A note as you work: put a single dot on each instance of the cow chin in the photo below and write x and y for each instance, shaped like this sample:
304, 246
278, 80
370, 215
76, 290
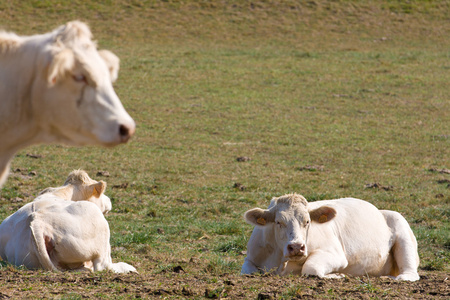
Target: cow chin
97, 138
295, 258
111, 142
79, 140
115, 134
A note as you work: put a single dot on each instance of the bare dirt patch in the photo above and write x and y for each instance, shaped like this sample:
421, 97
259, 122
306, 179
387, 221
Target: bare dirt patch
179, 283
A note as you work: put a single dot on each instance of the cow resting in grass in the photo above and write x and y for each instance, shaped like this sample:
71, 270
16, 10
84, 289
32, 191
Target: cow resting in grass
330, 238
62, 229
57, 88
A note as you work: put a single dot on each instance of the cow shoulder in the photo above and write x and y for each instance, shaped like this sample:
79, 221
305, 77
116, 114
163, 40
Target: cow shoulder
9, 42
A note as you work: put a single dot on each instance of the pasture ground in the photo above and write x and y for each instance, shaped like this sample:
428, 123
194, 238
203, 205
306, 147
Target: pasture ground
237, 102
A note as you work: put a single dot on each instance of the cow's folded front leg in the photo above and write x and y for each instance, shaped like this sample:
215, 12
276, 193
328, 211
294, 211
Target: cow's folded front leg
105, 263
324, 264
122, 267
290, 267
334, 276
281, 270
249, 267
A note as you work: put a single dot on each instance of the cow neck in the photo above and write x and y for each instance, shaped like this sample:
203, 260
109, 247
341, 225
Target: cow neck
18, 122
64, 192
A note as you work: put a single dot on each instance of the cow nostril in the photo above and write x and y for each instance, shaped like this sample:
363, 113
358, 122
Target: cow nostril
296, 249
123, 130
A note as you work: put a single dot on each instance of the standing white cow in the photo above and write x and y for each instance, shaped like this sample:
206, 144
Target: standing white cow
56, 87
62, 229
330, 238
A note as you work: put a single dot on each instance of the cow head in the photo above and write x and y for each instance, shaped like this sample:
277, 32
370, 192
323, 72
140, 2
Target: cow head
290, 220
76, 101
80, 187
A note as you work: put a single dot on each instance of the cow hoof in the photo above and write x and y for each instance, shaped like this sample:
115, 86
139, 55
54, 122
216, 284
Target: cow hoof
408, 277
122, 267
334, 276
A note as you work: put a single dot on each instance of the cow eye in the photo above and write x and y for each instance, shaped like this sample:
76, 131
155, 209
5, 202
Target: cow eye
307, 222
79, 78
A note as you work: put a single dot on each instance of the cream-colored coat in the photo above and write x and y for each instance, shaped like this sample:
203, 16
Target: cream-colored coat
57, 88
330, 238
62, 229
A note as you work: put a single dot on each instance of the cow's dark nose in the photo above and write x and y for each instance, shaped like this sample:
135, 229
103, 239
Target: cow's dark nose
125, 132
296, 249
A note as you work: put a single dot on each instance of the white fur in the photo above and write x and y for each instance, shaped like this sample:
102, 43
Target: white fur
63, 229
56, 87
357, 240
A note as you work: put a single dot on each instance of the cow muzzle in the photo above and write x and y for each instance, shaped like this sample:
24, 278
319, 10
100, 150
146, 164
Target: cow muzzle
296, 251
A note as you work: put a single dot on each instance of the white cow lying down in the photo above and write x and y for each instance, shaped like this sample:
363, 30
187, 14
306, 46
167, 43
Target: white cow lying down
330, 238
59, 231
57, 88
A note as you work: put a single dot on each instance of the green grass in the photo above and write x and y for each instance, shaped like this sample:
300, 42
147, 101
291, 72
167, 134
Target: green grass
360, 88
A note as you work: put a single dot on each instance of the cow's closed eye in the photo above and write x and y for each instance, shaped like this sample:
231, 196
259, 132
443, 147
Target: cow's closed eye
79, 78
280, 224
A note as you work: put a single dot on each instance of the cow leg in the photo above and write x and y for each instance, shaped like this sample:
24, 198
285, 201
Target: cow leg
324, 264
122, 267
404, 247
87, 267
248, 267
104, 262
290, 267
407, 258
79, 267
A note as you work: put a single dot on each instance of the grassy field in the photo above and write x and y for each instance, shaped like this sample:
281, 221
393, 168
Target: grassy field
324, 98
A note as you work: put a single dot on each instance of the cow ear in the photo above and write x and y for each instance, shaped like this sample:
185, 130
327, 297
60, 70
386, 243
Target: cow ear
112, 62
259, 217
322, 214
62, 63
98, 188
